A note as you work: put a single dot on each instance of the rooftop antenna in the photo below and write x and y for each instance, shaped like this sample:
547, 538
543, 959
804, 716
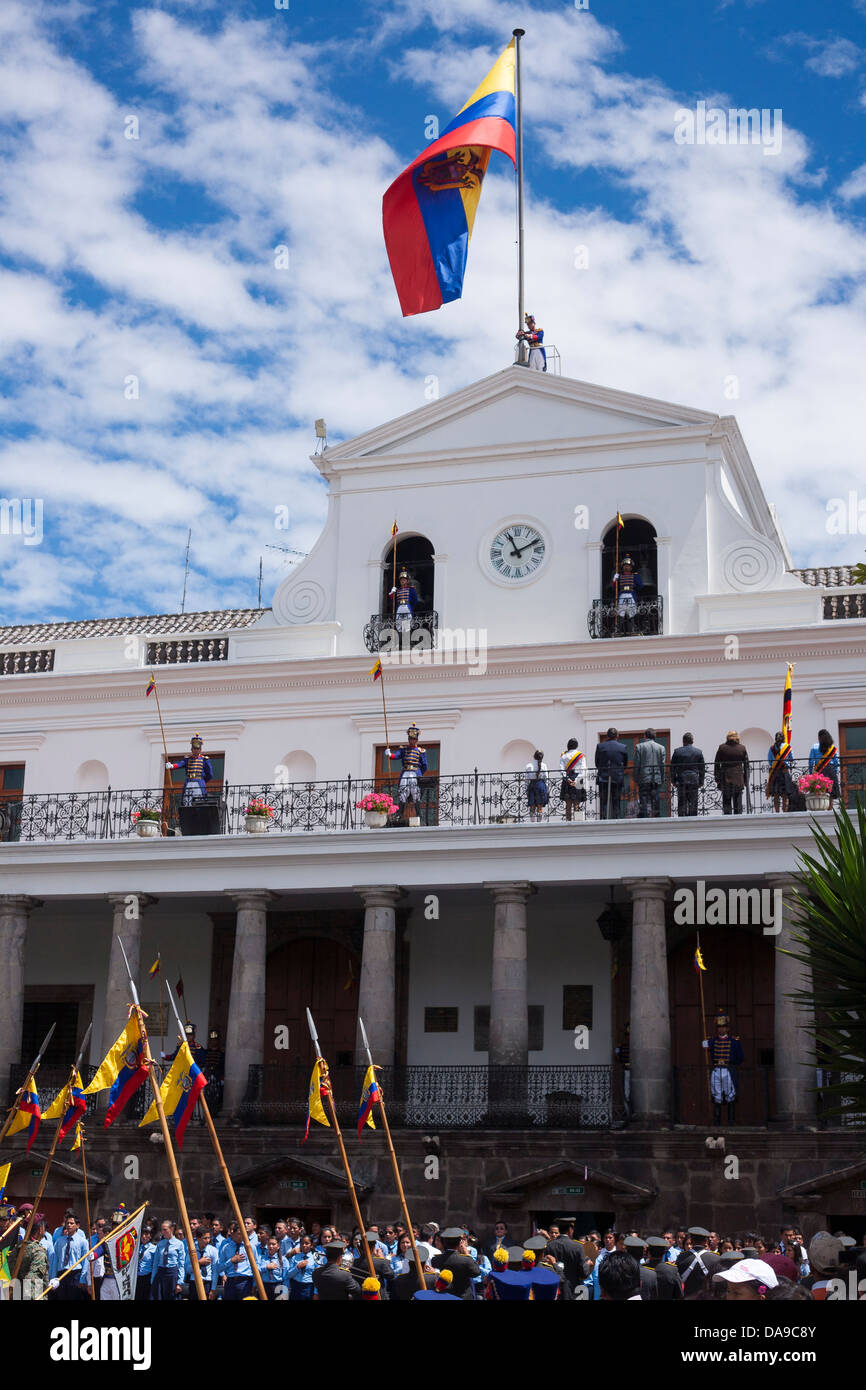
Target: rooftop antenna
186, 572
289, 550
321, 436
260, 581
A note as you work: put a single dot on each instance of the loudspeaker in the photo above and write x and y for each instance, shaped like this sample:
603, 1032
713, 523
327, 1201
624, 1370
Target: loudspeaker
199, 820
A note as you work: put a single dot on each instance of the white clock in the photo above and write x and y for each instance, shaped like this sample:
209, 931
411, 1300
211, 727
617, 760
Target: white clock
516, 552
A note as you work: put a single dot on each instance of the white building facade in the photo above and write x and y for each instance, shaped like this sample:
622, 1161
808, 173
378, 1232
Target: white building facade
496, 961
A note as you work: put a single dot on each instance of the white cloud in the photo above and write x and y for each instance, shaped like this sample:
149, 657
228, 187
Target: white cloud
855, 184
720, 267
830, 57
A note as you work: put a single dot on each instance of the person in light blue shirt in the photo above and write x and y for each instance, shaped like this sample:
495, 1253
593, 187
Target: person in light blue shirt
217, 1234
483, 1264
169, 1266
824, 758
145, 1266
273, 1266
208, 1260
69, 1247
299, 1270
250, 1224
234, 1267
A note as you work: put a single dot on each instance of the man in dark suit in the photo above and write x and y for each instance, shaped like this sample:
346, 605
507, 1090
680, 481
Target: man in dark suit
668, 1280
499, 1240
732, 773
611, 761
568, 1253
455, 1256
384, 1269
332, 1283
688, 770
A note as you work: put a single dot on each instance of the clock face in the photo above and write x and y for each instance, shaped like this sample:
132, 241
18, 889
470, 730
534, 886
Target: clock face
517, 552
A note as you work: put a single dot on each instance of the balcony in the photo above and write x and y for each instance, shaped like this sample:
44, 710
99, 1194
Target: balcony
384, 633
457, 800
603, 619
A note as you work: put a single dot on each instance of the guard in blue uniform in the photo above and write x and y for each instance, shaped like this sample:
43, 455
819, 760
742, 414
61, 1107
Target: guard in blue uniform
197, 770
533, 337
414, 761
726, 1054
407, 601
627, 584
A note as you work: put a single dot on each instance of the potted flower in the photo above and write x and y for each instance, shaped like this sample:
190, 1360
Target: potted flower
146, 822
257, 814
816, 788
377, 807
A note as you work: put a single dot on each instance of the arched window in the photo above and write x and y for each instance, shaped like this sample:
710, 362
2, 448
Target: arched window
91, 776
634, 541
415, 556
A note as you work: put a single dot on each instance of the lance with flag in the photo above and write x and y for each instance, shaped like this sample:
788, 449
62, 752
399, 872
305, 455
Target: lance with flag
217, 1148
124, 1068
66, 1108
371, 1096
152, 690
784, 753
137, 1012
700, 971
29, 1082
321, 1082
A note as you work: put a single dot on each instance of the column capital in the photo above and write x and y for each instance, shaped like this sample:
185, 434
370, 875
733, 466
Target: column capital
517, 892
380, 894
647, 887
254, 899
18, 902
121, 899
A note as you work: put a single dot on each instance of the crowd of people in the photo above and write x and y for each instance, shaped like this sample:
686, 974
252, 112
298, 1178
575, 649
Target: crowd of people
652, 775
322, 1263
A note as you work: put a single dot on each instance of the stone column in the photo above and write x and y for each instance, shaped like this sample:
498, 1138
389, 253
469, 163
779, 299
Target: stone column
509, 1017
14, 918
650, 1025
245, 1031
128, 913
793, 1044
377, 988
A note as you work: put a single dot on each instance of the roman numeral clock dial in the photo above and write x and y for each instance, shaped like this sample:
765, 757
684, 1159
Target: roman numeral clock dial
516, 553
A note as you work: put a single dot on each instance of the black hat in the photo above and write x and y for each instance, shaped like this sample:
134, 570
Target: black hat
453, 1233
655, 1243
536, 1243
634, 1243
565, 1221
515, 1254
335, 1247
749, 1252
700, 1231
731, 1257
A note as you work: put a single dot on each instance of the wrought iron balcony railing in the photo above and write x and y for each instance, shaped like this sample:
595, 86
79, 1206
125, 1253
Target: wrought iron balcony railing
605, 620
52, 1079
453, 1097
385, 632
459, 799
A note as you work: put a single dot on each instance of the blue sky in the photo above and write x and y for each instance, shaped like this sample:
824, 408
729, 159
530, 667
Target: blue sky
159, 372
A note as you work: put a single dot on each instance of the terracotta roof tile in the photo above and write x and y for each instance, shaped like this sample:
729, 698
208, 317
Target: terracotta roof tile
152, 625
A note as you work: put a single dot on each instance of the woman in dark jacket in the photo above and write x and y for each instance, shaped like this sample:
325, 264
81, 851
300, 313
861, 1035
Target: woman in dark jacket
731, 770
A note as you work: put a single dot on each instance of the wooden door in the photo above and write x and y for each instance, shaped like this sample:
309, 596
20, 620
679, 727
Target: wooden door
852, 763
739, 981
322, 975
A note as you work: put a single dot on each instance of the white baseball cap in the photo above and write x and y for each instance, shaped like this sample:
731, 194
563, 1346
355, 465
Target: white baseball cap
744, 1270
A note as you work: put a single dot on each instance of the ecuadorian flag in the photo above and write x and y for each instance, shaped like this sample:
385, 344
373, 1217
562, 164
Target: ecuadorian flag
179, 1091
29, 1115
429, 211
369, 1096
70, 1103
122, 1071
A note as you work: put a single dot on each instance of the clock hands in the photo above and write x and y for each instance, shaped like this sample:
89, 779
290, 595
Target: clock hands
514, 547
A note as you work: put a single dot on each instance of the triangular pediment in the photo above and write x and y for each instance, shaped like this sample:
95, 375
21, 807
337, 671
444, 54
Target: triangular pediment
512, 407
517, 1190
291, 1167
851, 1176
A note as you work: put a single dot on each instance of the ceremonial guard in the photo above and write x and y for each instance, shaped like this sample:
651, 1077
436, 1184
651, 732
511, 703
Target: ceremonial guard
198, 772
407, 601
534, 339
726, 1054
414, 761
627, 585
572, 789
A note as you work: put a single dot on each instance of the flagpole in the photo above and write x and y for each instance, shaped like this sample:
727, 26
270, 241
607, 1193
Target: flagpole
115, 1232
81, 1141
409, 1228
34, 1067
616, 572
164, 748
182, 995
706, 1050
518, 35
67, 1093
169, 1152
223, 1168
336, 1124
394, 568
384, 710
